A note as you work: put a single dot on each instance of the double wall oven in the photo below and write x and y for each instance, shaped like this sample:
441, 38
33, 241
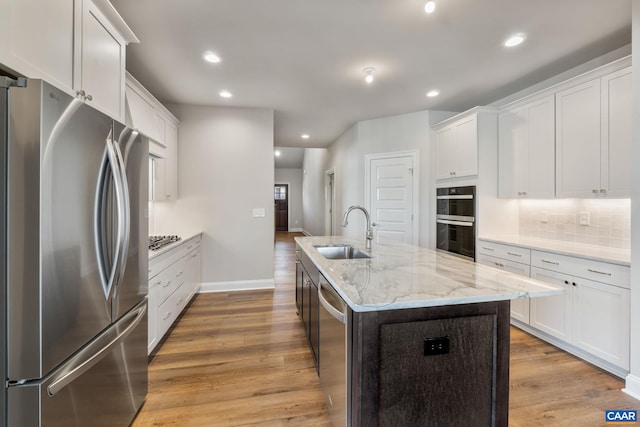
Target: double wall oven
456, 220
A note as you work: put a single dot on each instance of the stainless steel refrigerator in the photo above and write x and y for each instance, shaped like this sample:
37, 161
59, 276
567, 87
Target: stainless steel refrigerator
75, 261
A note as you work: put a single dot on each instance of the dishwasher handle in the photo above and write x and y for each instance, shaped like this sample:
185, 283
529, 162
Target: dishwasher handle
339, 315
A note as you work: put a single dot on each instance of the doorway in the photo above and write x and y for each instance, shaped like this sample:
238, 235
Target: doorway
329, 203
281, 206
391, 193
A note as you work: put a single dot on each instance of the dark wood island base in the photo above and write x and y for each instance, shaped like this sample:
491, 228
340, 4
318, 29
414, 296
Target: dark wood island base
434, 366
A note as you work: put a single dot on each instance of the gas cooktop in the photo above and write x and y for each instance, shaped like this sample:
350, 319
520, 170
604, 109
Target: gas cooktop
157, 242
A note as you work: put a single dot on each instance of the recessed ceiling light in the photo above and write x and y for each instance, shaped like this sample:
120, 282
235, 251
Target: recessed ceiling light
433, 93
369, 74
514, 40
430, 6
211, 57
304, 136
277, 153
225, 94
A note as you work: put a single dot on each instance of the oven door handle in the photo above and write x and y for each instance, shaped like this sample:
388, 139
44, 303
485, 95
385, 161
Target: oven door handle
461, 223
458, 197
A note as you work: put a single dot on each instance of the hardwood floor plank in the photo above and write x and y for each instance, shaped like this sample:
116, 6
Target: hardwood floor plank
241, 359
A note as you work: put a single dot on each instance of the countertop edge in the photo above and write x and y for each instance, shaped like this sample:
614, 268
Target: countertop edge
582, 252
167, 248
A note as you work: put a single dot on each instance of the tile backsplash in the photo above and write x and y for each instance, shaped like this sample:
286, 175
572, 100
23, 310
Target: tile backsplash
600, 222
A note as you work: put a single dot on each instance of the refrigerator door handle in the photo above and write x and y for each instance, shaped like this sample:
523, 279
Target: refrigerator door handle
94, 353
124, 217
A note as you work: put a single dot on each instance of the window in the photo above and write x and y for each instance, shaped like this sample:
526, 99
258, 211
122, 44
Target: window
280, 192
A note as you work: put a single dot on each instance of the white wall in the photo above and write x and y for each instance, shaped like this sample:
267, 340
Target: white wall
313, 168
226, 169
405, 132
633, 379
293, 177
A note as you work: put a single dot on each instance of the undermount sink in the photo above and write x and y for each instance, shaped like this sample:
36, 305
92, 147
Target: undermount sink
341, 252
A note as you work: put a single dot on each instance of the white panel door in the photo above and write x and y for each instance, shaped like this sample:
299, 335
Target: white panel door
391, 198
445, 152
541, 146
553, 315
513, 166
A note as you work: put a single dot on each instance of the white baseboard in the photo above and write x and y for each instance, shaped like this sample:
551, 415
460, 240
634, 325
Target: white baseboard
238, 285
306, 233
296, 230
632, 386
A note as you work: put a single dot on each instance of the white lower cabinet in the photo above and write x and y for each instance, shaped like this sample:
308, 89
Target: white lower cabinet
591, 319
601, 319
513, 259
553, 315
174, 278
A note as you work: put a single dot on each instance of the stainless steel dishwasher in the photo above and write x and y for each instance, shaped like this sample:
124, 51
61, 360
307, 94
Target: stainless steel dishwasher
333, 352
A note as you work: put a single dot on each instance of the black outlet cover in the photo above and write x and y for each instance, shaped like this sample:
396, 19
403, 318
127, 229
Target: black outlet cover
435, 346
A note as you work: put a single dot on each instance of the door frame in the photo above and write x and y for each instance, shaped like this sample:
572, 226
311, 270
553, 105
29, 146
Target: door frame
288, 184
329, 202
415, 182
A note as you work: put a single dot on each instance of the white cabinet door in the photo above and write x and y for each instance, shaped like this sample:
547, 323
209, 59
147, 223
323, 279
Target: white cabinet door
37, 39
553, 315
457, 149
519, 307
540, 128
101, 62
617, 109
513, 150
140, 113
171, 162
601, 321
445, 152
578, 141
466, 154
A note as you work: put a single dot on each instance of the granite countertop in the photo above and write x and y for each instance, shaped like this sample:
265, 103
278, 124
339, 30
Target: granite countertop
405, 276
184, 238
596, 253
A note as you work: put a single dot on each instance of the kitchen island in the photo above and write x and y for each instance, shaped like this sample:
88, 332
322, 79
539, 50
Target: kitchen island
426, 333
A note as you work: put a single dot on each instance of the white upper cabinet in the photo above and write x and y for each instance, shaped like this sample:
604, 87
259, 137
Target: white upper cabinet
77, 45
457, 148
617, 109
37, 39
100, 48
593, 138
526, 149
578, 140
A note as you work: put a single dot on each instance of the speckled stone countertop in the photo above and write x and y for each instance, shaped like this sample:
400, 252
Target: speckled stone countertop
405, 276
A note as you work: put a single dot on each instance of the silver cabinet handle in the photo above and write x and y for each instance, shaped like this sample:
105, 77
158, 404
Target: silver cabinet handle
488, 249
549, 262
514, 254
594, 191
603, 191
167, 284
167, 315
598, 272
499, 264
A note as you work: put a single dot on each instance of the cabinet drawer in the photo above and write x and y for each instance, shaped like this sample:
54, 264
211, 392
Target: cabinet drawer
192, 244
171, 279
169, 311
612, 274
504, 264
162, 262
508, 252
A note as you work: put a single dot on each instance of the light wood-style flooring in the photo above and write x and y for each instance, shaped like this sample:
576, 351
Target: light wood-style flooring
241, 359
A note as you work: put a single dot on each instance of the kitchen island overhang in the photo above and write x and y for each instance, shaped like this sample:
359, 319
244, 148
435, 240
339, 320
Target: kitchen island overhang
427, 333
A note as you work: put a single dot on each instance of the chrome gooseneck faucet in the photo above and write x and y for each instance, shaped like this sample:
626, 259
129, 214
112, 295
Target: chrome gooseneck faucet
369, 234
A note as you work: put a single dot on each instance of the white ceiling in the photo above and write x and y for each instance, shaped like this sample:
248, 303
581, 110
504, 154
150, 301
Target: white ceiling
289, 158
304, 58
